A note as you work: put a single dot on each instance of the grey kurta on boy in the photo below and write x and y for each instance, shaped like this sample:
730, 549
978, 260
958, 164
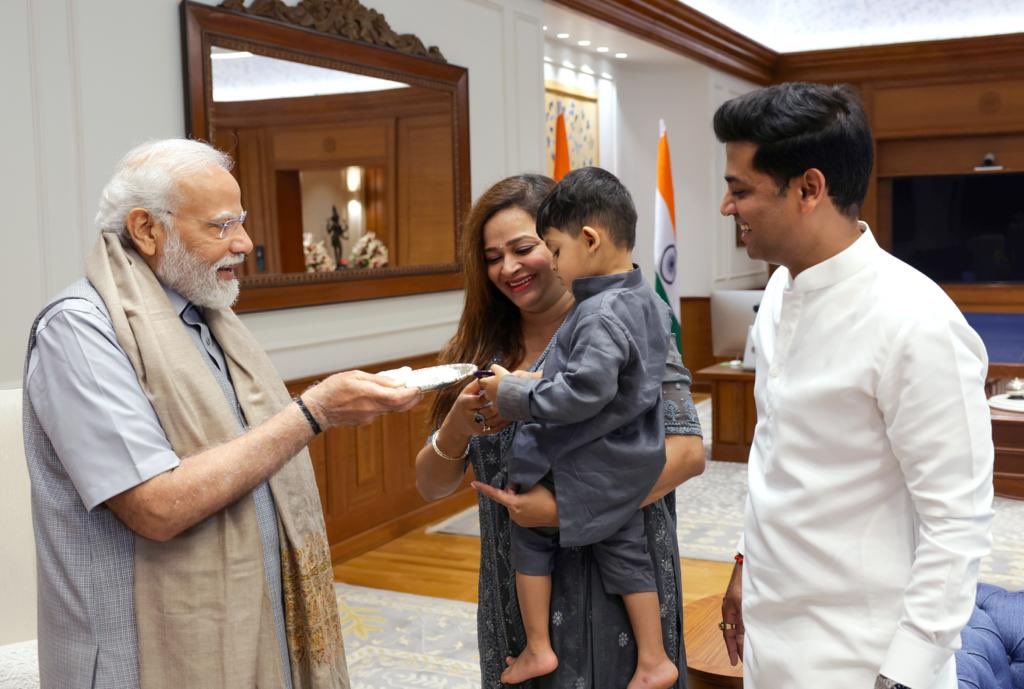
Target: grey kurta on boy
602, 434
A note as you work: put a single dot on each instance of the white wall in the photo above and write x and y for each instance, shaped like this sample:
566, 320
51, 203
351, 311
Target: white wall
685, 96
86, 80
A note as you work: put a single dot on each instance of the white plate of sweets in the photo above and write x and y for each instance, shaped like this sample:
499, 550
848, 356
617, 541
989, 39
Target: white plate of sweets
432, 377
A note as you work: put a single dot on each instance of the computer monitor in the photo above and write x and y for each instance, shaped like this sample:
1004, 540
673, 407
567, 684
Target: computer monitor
732, 314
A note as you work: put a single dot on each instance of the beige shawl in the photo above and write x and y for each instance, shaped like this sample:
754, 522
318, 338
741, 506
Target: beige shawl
201, 601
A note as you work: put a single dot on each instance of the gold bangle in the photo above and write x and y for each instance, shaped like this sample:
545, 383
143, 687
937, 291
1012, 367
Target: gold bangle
442, 455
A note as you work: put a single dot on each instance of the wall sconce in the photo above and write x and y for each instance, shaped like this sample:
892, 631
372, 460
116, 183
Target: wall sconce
353, 177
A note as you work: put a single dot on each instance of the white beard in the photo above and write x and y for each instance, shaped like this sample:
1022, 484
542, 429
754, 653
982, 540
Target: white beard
195, 279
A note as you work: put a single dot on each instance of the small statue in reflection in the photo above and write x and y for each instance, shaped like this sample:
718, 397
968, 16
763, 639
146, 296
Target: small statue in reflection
337, 228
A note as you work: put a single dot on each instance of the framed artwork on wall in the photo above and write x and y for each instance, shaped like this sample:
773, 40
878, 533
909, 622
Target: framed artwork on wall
580, 111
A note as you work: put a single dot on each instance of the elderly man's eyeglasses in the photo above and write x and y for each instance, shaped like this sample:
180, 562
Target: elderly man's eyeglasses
225, 228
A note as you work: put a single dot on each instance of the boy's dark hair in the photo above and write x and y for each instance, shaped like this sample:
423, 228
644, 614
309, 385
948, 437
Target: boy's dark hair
590, 196
798, 126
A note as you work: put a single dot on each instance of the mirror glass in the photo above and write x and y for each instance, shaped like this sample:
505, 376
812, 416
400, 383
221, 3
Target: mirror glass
328, 146
351, 158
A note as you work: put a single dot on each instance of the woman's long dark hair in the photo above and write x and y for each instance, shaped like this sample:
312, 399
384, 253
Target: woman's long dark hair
490, 325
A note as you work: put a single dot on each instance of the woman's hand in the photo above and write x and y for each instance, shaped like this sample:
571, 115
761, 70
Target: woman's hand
437, 477
536, 507
472, 414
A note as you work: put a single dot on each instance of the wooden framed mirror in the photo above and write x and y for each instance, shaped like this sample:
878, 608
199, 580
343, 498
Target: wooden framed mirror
350, 142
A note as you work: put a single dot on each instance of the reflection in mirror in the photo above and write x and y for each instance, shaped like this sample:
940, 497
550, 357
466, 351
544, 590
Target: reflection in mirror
336, 216
350, 142
311, 142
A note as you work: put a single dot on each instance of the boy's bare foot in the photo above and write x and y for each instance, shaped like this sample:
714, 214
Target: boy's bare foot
529, 664
661, 675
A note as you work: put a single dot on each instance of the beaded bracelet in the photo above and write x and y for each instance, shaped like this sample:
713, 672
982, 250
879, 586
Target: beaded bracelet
442, 455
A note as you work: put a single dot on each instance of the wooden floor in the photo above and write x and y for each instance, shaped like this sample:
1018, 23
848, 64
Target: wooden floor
447, 566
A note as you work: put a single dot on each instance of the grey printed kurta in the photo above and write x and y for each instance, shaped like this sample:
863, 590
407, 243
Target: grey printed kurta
590, 631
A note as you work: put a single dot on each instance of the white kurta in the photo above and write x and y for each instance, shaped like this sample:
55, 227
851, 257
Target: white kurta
870, 478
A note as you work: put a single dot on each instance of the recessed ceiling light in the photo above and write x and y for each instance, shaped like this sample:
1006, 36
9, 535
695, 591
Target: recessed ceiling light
606, 75
583, 43
543, 28
562, 35
602, 49
586, 69
566, 63
547, 59
622, 56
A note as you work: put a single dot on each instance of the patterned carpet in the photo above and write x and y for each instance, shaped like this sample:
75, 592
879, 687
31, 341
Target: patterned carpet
710, 518
397, 640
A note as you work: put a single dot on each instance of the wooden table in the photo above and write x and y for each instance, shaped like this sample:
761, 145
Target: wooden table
733, 414
707, 661
1008, 437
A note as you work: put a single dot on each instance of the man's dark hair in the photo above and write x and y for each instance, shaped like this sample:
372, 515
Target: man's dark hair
799, 126
590, 196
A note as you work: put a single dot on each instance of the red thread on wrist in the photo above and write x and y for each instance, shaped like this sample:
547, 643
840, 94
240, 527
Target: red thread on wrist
739, 558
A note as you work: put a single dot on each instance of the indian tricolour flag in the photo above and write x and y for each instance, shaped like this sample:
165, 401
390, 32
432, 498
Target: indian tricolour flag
665, 282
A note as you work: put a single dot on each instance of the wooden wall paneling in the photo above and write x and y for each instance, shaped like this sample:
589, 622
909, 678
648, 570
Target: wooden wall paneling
990, 298
333, 109
366, 475
375, 194
962, 59
969, 108
729, 427
392, 209
254, 178
695, 316
288, 192
949, 155
426, 206
316, 290
684, 30
296, 147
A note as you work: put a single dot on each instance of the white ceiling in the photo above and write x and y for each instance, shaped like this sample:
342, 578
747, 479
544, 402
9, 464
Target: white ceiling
788, 26
559, 19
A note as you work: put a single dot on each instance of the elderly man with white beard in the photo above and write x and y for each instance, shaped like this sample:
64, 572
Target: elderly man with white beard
179, 533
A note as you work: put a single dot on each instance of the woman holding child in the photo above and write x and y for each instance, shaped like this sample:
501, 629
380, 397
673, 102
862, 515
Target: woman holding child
514, 306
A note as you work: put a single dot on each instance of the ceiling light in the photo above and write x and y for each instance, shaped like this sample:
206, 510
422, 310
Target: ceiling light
622, 56
544, 28
566, 63
583, 43
602, 49
606, 75
562, 35
586, 69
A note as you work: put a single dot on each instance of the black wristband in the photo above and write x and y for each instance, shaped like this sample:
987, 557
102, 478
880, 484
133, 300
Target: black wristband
309, 416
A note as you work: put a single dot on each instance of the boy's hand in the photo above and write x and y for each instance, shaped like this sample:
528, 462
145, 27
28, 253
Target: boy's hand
489, 385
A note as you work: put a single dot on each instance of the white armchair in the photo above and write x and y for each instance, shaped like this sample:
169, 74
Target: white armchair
18, 665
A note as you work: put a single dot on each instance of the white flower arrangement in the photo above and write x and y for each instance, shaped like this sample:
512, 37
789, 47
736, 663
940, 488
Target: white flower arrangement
317, 258
369, 252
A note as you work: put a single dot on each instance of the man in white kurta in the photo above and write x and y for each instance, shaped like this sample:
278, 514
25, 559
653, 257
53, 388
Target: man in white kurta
870, 477
870, 473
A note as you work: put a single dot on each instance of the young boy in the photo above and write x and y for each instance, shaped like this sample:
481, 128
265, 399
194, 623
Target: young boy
599, 438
